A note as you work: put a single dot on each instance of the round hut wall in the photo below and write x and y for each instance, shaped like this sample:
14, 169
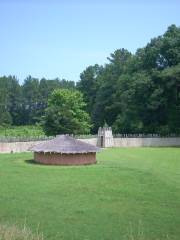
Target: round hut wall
65, 159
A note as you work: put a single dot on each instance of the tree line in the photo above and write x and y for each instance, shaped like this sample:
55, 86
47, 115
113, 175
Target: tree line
137, 93
133, 93
25, 104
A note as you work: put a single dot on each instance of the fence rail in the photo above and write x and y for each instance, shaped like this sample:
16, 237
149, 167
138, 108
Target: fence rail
7, 139
85, 136
24, 139
145, 135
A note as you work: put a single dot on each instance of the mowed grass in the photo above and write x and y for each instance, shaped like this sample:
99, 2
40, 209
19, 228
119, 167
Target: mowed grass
131, 193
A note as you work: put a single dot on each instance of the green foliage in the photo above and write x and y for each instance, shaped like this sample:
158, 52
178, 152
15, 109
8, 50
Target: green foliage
137, 92
5, 118
89, 84
9, 100
65, 113
128, 192
25, 104
21, 131
133, 92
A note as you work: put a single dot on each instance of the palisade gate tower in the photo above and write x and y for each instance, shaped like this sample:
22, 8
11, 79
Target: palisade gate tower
105, 137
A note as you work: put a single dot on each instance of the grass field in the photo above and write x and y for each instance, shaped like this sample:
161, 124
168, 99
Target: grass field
132, 193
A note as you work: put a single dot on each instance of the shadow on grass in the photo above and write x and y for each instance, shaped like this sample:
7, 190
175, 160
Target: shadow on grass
32, 161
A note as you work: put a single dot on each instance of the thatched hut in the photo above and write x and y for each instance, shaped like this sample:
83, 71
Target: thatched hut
65, 150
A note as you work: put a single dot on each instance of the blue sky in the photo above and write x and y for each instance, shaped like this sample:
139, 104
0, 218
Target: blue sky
61, 38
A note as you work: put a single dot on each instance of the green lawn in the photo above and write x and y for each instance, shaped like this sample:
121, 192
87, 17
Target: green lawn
132, 193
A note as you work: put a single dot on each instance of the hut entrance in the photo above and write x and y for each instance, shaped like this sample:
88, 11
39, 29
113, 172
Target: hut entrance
101, 141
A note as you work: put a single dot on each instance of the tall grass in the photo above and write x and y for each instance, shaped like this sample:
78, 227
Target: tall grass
137, 232
14, 233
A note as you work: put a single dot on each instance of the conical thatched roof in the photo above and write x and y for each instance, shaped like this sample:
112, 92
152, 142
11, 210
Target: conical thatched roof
64, 144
